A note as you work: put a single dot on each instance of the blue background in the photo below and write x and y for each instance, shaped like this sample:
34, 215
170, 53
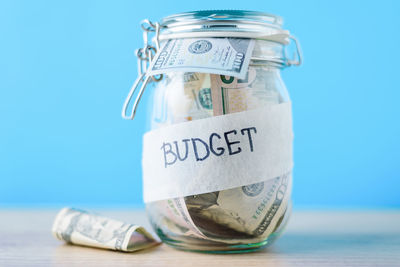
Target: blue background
66, 67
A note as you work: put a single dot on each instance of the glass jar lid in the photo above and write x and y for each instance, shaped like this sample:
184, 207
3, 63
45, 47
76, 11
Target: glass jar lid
224, 23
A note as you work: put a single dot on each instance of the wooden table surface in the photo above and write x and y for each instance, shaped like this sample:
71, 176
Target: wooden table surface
311, 239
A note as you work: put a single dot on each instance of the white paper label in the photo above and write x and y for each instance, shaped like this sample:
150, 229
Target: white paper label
217, 153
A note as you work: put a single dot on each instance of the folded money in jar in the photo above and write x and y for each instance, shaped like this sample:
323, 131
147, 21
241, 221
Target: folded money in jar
217, 156
86, 229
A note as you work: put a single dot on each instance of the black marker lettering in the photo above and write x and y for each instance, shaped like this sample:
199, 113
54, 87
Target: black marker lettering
220, 149
249, 135
186, 149
194, 140
168, 151
229, 144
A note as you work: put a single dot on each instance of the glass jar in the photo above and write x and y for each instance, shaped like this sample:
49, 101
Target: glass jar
237, 218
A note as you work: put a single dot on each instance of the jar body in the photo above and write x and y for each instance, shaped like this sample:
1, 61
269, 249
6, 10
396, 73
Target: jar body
235, 219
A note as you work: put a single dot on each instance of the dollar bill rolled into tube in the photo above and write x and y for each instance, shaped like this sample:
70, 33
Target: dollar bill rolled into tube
86, 229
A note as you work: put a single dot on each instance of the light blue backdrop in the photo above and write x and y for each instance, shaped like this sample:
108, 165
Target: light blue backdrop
66, 67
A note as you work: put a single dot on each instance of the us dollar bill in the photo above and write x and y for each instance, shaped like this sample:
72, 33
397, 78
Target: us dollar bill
198, 88
174, 214
231, 94
195, 100
83, 228
252, 210
273, 218
227, 56
238, 215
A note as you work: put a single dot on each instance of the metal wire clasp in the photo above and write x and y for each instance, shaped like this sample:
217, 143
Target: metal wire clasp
297, 59
145, 56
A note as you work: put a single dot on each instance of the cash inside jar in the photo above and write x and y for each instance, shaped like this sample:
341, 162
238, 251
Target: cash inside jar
251, 213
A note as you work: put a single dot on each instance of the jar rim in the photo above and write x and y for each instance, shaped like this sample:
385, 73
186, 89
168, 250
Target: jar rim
224, 15
224, 23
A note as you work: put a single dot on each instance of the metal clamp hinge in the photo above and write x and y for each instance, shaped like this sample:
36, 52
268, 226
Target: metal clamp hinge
297, 56
145, 56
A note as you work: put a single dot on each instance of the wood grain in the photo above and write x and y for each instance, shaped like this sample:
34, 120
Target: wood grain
311, 239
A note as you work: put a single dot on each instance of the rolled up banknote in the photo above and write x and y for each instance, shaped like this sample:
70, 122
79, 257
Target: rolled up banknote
195, 100
83, 228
